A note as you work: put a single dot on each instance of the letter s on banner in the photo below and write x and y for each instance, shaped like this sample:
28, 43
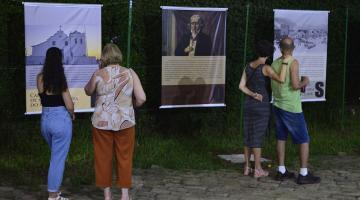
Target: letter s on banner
319, 89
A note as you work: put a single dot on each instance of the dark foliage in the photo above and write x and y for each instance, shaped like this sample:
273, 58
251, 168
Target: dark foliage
146, 57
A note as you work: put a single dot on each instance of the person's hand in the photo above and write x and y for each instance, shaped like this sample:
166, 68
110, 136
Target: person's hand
258, 97
305, 80
188, 49
73, 116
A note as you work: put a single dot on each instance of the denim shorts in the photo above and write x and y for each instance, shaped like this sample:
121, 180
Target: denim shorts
293, 123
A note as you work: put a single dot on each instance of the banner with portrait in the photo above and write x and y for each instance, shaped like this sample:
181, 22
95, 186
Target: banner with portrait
193, 57
309, 30
73, 28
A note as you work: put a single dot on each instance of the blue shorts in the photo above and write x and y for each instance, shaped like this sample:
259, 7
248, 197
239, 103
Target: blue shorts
293, 123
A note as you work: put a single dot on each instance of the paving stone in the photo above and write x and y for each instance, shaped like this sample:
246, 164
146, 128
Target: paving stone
340, 180
160, 191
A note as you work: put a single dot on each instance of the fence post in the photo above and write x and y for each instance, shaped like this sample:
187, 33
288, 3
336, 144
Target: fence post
345, 63
244, 63
129, 34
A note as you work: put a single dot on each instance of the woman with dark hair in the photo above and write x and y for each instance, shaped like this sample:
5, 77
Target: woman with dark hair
257, 104
118, 89
57, 112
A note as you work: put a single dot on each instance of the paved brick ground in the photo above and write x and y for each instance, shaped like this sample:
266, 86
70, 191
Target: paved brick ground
340, 180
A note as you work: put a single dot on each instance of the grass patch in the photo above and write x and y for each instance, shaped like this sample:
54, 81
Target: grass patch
24, 155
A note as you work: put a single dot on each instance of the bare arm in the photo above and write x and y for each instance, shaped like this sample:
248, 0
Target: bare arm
294, 72
268, 71
244, 89
69, 104
91, 85
139, 94
39, 83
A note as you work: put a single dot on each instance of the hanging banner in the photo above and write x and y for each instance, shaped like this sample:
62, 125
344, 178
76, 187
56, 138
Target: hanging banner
309, 30
73, 28
193, 57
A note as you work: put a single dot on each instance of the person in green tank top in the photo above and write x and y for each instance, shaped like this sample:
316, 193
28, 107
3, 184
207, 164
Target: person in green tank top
289, 116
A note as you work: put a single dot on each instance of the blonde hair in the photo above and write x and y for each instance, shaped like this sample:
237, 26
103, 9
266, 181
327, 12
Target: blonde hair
111, 55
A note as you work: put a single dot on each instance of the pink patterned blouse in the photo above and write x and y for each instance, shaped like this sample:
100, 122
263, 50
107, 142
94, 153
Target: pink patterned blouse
114, 108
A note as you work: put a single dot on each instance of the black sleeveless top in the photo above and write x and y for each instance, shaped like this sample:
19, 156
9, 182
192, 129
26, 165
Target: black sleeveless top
257, 82
52, 100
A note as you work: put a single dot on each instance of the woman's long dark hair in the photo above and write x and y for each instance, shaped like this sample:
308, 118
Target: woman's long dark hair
53, 72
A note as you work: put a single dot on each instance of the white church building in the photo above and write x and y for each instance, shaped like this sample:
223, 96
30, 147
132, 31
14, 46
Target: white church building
73, 48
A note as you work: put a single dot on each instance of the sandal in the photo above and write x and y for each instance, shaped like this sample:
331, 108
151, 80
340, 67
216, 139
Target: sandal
58, 197
260, 173
247, 170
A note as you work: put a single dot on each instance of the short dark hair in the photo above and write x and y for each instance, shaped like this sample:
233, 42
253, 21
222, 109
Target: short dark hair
264, 48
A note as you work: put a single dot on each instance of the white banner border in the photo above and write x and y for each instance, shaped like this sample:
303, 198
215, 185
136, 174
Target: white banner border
289, 10
192, 8
61, 4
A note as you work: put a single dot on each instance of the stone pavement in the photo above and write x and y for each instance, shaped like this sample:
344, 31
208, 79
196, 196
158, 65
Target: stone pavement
340, 180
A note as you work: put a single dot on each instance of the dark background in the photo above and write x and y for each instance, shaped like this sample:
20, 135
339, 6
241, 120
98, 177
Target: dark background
146, 58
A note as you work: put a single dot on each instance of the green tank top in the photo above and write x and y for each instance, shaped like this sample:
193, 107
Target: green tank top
285, 97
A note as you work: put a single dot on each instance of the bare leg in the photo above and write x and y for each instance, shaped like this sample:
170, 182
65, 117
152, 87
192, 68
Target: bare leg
259, 172
125, 194
304, 154
107, 193
247, 154
280, 147
257, 157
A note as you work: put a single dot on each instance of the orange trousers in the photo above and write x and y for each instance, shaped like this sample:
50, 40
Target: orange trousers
106, 144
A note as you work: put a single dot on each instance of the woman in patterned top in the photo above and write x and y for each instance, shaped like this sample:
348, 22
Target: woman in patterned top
117, 90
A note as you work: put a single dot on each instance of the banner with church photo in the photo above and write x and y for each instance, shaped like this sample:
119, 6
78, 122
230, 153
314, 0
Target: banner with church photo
193, 57
309, 30
73, 28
